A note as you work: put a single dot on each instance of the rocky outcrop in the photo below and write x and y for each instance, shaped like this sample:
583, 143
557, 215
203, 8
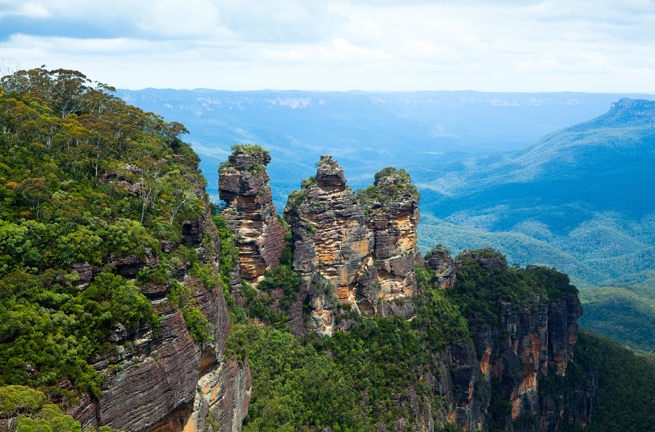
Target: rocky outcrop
464, 388
442, 267
332, 244
354, 252
392, 206
250, 213
159, 372
532, 343
222, 399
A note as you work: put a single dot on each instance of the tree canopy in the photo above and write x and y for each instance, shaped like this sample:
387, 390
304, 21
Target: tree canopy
87, 183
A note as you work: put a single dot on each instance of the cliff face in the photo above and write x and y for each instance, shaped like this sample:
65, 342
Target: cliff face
392, 206
332, 245
528, 344
244, 186
463, 388
165, 380
442, 267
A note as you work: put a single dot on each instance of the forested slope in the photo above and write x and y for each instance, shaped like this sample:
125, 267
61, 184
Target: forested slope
95, 202
113, 269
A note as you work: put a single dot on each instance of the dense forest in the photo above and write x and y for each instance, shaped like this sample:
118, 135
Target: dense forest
87, 184
93, 193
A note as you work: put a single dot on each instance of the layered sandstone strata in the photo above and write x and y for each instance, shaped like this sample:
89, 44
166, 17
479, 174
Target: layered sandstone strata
392, 206
244, 186
332, 244
355, 252
164, 380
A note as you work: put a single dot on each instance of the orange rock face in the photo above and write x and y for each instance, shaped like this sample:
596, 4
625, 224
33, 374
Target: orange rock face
360, 249
250, 213
332, 244
392, 203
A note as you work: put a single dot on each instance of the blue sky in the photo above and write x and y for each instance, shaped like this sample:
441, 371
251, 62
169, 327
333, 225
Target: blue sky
494, 45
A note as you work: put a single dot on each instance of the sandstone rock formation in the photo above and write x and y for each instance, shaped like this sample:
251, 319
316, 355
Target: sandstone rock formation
442, 267
527, 343
332, 245
244, 186
392, 206
356, 253
222, 399
464, 388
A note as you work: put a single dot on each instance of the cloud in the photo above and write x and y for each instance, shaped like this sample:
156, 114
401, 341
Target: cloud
29, 9
32, 10
600, 45
281, 21
168, 19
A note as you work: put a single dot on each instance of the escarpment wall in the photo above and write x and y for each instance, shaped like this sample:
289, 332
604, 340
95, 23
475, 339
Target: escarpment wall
529, 346
163, 380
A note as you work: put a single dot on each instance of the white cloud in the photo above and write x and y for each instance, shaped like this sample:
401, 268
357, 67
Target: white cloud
172, 19
82, 47
280, 21
32, 10
600, 45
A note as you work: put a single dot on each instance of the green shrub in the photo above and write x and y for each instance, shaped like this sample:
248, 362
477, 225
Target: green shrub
196, 323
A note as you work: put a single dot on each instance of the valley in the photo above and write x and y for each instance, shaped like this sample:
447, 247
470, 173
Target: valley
559, 179
132, 300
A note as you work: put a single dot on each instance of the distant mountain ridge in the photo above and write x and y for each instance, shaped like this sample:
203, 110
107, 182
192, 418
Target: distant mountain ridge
428, 133
622, 130
581, 200
585, 189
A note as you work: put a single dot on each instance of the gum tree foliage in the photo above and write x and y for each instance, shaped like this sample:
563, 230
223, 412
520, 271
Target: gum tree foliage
479, 291
85, 180
358, 380
30, 410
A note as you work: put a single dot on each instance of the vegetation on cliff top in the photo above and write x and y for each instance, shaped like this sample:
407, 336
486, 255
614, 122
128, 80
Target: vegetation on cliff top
484, 280
258, 156
34, 413
92, 195
391, 185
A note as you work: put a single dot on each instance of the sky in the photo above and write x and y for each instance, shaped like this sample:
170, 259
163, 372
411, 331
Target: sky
391, 45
